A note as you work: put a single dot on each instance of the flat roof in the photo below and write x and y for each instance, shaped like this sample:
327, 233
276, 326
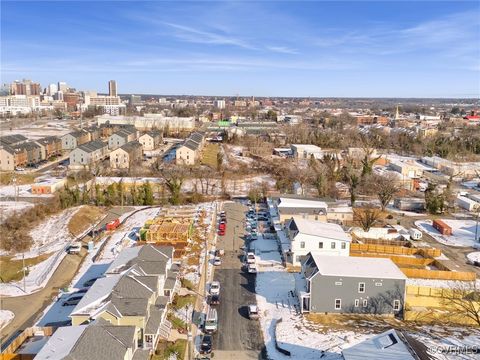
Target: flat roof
351, 266
318, 228
301, 203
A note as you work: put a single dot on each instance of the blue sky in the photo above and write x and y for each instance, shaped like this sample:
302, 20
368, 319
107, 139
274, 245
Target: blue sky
261, 48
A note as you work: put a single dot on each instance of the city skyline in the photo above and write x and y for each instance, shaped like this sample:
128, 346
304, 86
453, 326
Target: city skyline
306, 49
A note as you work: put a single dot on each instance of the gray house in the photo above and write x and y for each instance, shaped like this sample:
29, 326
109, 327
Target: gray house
345, 284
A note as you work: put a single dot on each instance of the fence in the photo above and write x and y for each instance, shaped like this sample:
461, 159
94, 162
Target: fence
9, 352
394, 250
439, 274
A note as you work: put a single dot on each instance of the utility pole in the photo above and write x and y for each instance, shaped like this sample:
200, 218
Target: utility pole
24, 273
476, 225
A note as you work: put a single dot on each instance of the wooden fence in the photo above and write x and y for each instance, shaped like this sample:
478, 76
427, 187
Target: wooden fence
439, 274
394, 250
9, 352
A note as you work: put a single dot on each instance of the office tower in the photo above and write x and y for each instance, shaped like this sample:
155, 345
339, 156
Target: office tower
112, 88
62, 86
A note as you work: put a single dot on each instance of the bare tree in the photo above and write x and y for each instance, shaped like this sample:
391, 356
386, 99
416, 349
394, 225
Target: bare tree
463, 301
173, 176
351, 176
386, 187
367, 216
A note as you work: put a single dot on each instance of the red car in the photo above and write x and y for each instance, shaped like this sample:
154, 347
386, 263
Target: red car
222, 226
221, 232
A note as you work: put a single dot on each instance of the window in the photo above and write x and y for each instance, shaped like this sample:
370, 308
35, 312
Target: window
378, 284
316, 217
396, 305
344, 245
302, 244
338, 283
333, 245
338, 304
320, 245
357, 303
361, 287
365, 303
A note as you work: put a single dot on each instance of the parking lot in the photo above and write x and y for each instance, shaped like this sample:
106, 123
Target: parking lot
237, 335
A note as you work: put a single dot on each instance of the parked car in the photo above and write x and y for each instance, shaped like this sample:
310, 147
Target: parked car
206, 345
215, 288
221, 232
217, 261
72, 300
74, 249
252, 269
82, 290
253, 312
251, 258
90, 282
214, 300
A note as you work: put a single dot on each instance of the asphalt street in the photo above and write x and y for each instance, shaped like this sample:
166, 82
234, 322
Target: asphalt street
236, 333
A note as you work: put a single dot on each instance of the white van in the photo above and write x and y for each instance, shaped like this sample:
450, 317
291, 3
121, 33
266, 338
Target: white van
211, 321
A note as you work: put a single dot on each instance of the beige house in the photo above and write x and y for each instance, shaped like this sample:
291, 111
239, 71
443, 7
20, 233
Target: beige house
121, 137
190, 151
407, 168
126, 155
74, 139
88, 153
151, 140
136, 290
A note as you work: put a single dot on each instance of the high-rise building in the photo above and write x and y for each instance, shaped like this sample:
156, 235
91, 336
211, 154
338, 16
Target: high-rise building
62, 86
25, 87
219, 104
135, 100
52, 89
112, 88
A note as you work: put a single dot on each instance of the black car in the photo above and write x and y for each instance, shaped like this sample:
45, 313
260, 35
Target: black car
214, 300
206, 346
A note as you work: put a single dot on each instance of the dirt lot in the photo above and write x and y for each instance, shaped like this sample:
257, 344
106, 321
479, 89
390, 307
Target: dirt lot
84, 218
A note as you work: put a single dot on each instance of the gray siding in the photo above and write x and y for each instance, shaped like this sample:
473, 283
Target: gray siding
379, 298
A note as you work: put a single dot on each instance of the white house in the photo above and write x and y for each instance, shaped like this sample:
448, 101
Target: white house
306, 151
150, 140
288, 208
121, 137
316, 237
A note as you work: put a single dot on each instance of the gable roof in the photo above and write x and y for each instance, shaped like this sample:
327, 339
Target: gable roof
391, 344
61, 342
292, 203
92, 146
142, 255
77, 133
131, 146
102, 341
351, 266
12, 139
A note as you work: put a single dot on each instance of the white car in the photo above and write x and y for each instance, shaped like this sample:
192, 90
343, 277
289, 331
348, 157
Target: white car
251, 258
215, 288
252, 269
74, 249
253, 312
217, 261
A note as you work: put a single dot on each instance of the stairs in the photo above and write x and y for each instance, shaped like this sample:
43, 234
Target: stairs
165, 329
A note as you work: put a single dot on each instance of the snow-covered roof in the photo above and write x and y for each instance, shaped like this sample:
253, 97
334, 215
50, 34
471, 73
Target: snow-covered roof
61, 342
318, 228
99, 291
387, 345
124, 257
307, 147
351, 266
300, 203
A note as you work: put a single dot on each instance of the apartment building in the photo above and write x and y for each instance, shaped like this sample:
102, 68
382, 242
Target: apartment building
151, 140
121, 137
126, 155
74, 139
88, 153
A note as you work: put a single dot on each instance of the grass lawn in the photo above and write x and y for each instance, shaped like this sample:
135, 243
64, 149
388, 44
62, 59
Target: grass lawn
6, 178
179, 302
12, 270
165, 349
209, 156
177, 323
84, 218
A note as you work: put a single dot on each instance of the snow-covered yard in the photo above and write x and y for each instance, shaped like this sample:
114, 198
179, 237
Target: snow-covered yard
463, 232
274, 288
5, 317
307, 340
7, 208
52, 234
22, 190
